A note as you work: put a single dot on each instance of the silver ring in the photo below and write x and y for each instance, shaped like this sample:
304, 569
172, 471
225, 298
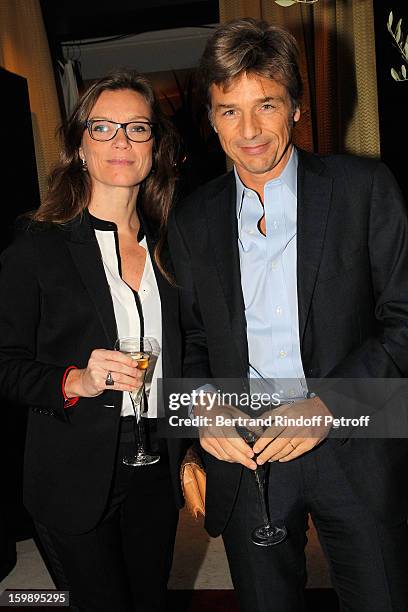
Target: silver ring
109, 382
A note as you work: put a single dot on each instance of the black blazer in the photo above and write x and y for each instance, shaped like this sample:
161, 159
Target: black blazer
55, 307
352, 280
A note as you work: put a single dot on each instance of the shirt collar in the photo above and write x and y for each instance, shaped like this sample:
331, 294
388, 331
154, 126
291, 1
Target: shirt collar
287, 177
110, 226
101, 224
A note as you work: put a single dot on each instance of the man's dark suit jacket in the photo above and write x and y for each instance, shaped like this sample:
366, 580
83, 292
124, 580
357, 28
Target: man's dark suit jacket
55, 308
352, 279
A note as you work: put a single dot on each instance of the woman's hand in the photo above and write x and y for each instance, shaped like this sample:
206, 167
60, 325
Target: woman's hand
91, 381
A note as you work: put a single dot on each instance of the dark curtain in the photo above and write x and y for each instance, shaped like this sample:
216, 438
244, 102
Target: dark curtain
392, 95
21, 186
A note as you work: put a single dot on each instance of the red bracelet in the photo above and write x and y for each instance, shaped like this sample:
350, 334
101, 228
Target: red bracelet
69, 401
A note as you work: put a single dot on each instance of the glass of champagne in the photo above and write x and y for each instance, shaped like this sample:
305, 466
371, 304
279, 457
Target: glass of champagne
266, 534
141, 350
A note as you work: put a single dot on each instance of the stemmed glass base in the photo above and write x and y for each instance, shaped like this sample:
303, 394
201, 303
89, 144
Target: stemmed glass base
141, 458
267, 535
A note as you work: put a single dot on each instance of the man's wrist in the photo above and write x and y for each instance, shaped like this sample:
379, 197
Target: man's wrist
202, 405
200, 402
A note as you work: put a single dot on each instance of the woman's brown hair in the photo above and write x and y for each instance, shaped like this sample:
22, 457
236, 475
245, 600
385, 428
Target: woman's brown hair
69, 187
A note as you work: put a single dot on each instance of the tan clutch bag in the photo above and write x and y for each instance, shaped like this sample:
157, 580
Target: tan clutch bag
193, 477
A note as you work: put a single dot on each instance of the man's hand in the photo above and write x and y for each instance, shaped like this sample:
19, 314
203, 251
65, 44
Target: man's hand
223, 441
280, 443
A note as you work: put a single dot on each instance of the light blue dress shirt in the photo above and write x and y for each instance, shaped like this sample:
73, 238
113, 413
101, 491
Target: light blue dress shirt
269, 282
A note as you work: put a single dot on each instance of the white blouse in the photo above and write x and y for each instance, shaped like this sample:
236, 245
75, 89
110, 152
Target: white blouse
128, 320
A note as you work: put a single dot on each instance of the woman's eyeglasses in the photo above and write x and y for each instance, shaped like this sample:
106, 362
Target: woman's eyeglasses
104, 130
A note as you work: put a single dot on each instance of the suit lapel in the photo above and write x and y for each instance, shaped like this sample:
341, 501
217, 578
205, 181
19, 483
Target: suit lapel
223, 235
169, 306
86, 255
314, 198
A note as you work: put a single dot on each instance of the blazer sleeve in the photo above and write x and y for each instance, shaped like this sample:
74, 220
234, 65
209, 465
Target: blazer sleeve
383, 356
23, 378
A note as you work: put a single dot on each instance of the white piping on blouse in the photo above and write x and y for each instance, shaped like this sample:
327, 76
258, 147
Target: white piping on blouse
126, 313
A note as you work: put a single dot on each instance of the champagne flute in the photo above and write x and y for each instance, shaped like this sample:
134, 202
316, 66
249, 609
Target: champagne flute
141, 350
266, 534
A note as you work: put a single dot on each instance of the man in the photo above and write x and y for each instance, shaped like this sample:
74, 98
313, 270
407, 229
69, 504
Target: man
295, 266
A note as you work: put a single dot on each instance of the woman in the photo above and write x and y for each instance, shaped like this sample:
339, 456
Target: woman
83, 273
